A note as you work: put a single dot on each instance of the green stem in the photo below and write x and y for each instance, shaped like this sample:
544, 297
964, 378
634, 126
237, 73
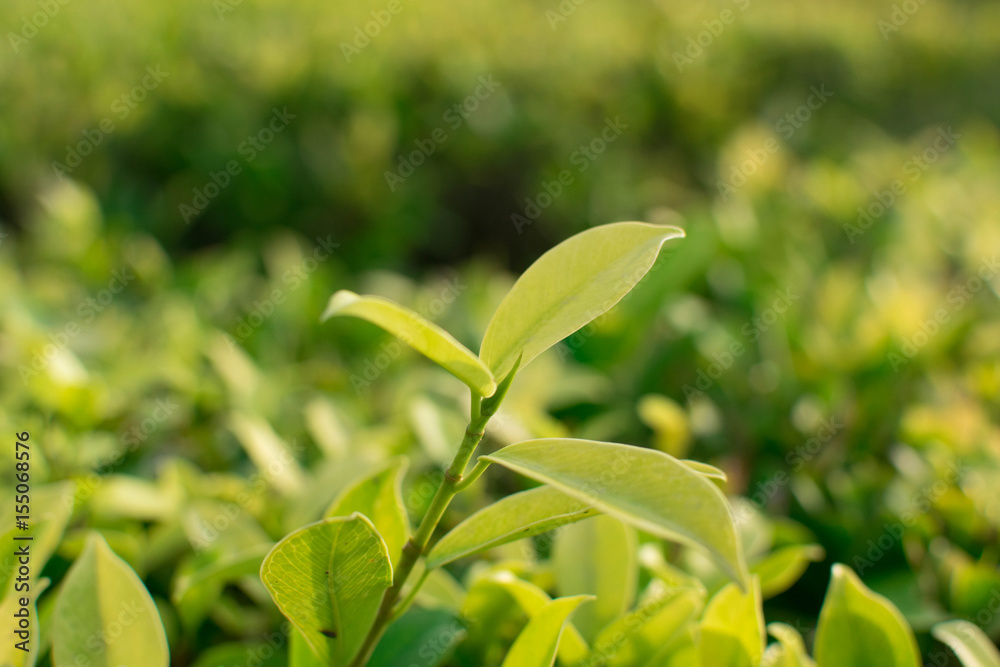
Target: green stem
416, 545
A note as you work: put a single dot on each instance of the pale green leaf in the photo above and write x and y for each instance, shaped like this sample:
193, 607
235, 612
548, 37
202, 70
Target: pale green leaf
422, 335
969, 643
379, 496
270, 453
704, 469
732, 630
328, 579
569, 286
538, 642
790, 652
779, 570
646, 488
532, 599
860, 628
515, 517
638, 637
597, 557
102, 597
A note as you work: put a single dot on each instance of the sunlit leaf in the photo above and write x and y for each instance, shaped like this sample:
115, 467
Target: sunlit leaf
569, 286
99, 595
328, 579
538, 643
732, 630
640, 635
790, 652
969, 643
270, 454
860, 628
515, 517
532, 599
379, 496
597, 557
422, 335
779, 570
646, 488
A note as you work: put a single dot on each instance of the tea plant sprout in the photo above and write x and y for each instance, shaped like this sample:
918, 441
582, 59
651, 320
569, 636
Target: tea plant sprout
348, 559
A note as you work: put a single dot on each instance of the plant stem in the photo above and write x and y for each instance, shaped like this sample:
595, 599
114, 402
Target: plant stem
416, 545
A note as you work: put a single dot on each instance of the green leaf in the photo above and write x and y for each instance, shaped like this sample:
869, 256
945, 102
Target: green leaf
646, 488
532, 599
969, 643
102, 597
419, 637
860, 628
515, 517
52, 506
270, 453
779, 570
379, 496
635, 639
704, 469
791, 652
569, 286
328, 579
423, 336
538, 643
597, 557
732, 630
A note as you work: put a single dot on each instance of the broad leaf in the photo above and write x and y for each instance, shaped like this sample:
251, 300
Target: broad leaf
597, 557
860, 628
969, 643
779, 570
328, 579
419, 637
790, 652
515, 517
640, 635
646, 488
102, 597
538, 643
732, 630
423, 336
379, 497
569, 286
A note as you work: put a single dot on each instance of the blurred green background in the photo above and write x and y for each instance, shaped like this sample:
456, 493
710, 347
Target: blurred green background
184, 184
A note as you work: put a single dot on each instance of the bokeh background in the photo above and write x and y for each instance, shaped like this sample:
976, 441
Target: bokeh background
184, 184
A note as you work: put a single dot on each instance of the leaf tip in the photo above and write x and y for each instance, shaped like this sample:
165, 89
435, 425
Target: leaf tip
340, 300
